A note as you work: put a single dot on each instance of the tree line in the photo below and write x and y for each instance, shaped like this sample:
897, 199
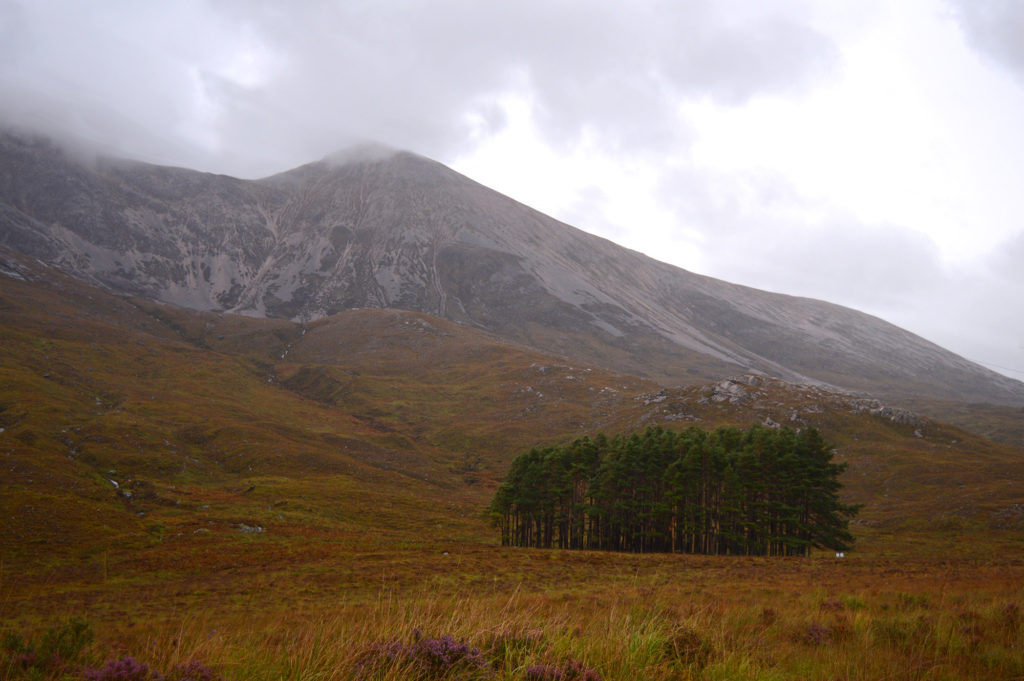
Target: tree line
760, 491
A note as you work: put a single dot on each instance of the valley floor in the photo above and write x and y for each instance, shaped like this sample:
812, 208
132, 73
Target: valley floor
265, 607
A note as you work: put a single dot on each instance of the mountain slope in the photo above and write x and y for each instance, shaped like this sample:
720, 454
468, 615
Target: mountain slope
125, 422
393, 230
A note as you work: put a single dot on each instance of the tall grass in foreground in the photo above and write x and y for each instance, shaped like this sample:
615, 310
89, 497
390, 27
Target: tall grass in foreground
629, 635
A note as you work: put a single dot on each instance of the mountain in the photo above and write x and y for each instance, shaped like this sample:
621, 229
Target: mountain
375, 228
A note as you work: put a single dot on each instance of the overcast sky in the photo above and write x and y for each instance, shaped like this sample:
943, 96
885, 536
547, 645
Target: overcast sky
865, 152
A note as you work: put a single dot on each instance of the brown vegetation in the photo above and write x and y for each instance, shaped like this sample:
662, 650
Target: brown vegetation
277, 517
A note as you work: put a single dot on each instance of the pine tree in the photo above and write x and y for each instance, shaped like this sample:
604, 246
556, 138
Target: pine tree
757, 492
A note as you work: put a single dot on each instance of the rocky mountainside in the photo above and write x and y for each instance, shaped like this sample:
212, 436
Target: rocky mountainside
383, 229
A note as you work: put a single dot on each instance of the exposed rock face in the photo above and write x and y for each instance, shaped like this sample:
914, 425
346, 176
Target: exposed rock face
391, 229
769, 400
904, 417
730, 391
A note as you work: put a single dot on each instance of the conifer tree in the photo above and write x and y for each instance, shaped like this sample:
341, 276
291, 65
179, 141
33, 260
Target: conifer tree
756, 492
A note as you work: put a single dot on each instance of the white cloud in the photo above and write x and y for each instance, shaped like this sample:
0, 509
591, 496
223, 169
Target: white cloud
234, 77
994, 28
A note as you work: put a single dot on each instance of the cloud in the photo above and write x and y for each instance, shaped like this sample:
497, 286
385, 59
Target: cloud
14, 34
994, 28
757, 229
257, 86
125, 76
1008, 291
975, 310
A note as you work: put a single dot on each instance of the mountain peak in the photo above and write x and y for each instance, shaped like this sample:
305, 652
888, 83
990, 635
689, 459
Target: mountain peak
366, 152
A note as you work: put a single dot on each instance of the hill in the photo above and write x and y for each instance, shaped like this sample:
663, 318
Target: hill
122, 418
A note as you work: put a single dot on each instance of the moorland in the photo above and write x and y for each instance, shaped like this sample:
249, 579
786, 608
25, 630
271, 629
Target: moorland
220, 496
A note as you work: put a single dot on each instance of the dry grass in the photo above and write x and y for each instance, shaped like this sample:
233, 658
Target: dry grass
366, 456
627, 617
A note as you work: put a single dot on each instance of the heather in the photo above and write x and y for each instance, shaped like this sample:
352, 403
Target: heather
575, 615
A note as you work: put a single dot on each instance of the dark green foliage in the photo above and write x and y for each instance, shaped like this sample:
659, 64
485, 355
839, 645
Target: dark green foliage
56, 651
757, 492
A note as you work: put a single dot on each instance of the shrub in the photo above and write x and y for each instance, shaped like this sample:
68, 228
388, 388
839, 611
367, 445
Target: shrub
511, 647
66, 642
129, 669
832, 606
688, 647
570, 670
1010, 616
897, 632
193, 671
815, 635
971, 634
424, 659
853, 603
905, 601
125, 669
57, 651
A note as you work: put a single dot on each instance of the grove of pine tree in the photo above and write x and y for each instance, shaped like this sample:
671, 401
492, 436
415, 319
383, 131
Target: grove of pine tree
761, 491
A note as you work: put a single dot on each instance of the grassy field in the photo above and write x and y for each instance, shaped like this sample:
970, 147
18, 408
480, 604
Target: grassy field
271, 500
346, 608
